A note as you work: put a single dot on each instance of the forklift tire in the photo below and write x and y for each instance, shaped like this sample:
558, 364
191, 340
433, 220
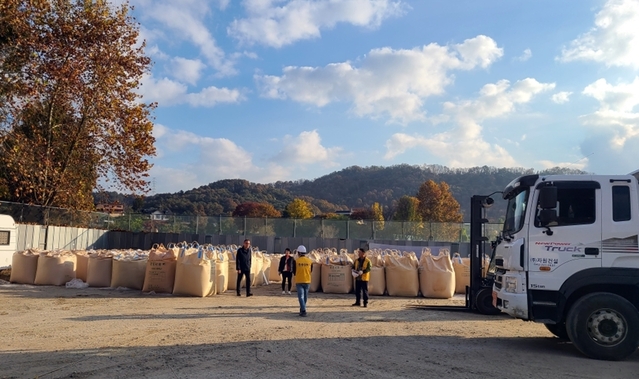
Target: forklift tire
484, 302
558, 330
604, 326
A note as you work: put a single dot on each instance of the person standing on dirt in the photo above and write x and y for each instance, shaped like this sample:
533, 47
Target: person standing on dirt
286, 270
303, 267
362, 273
243, 267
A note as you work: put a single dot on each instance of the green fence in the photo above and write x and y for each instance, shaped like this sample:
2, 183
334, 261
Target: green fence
224, 225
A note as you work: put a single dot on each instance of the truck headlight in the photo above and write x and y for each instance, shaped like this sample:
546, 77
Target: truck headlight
510, 284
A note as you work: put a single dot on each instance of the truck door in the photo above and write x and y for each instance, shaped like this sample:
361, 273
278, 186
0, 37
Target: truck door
573, 242
619, 224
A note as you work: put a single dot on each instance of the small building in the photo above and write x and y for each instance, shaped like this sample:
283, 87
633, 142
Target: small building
161, 216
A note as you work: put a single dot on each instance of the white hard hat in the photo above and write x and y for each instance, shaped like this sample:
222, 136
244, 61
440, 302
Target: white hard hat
301, 249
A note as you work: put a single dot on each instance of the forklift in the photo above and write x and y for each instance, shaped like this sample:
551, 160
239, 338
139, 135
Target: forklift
479, 293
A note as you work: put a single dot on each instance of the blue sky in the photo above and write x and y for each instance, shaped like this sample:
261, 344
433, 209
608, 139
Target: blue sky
269, 90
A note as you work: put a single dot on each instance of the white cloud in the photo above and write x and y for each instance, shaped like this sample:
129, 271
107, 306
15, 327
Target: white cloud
464, 145
577, 165
185, 19
205, 160
616, 115
187, 70
526, 55
278, 23
168, 92
305, 149
614, 40
561, 97
388, 82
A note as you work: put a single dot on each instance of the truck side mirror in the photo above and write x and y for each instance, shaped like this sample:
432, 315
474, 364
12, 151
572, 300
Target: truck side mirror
548, 197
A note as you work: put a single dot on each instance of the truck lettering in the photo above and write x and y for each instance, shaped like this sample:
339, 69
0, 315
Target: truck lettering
573, 249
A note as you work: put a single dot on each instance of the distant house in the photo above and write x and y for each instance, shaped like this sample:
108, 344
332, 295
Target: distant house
344, 213
161, 216
114, 208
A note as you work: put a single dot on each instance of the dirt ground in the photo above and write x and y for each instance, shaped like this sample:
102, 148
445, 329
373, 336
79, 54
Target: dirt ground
55, 332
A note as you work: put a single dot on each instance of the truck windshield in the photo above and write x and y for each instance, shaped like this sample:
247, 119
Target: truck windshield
515, 212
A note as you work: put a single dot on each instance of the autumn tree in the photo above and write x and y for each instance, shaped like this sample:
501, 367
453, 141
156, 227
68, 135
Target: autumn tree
377, 215
299, 208
437, 205
70, 117
252, 209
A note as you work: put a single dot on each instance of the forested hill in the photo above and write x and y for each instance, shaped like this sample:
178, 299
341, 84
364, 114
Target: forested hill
352, 187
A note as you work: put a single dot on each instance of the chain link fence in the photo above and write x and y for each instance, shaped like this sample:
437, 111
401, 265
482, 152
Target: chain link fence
224, 225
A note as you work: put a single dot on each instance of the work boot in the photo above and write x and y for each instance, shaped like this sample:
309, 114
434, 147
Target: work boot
365, 305
249, 294
239, 294
355, 305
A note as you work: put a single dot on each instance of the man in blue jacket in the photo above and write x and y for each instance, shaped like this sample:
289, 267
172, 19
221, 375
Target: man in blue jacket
243, 267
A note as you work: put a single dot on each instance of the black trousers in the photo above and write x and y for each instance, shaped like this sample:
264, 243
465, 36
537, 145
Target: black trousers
287, 275
361, 291
246, 274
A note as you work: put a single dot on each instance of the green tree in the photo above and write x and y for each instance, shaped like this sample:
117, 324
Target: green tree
299, 208
70, 117
407, 209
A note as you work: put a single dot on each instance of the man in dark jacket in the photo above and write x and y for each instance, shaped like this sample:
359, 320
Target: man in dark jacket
243, 267
287, 265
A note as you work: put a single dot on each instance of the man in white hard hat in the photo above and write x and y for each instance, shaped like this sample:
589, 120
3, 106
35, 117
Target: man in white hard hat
303, 267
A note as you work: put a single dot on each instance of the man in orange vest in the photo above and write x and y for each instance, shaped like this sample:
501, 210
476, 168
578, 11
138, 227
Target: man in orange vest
362, 274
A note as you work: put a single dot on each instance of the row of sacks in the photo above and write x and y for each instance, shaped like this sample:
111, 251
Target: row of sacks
393, 273
190, 271
195, 270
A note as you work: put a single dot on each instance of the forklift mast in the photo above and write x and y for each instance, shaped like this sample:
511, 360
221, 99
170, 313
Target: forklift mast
479, 292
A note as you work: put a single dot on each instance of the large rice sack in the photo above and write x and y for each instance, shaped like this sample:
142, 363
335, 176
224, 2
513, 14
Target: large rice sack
82, 264
402, 278
222, 273
316, 272
160, 271
55, 268
377, 281
99, 269
194, 274
129, 270
462, 273
232, 281
257, 262
23, 266
273, 273
336, 274
436, 275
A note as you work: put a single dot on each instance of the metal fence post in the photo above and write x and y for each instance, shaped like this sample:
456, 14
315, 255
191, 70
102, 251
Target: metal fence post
348, 229
197, 224
219, 225
294, 227
244, 226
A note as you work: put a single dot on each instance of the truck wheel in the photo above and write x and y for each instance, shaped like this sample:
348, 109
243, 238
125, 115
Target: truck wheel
604, 326
558, 330
484, 302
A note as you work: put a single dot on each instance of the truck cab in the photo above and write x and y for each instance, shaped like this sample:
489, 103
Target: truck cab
8, 244
568, 257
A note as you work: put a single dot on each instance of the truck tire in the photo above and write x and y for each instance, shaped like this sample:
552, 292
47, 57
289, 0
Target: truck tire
484, 302
604, 326
558, 330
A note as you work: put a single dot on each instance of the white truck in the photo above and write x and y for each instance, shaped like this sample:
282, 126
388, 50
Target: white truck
8, 244
568, 257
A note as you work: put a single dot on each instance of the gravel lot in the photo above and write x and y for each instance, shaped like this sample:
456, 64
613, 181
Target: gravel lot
54, 332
